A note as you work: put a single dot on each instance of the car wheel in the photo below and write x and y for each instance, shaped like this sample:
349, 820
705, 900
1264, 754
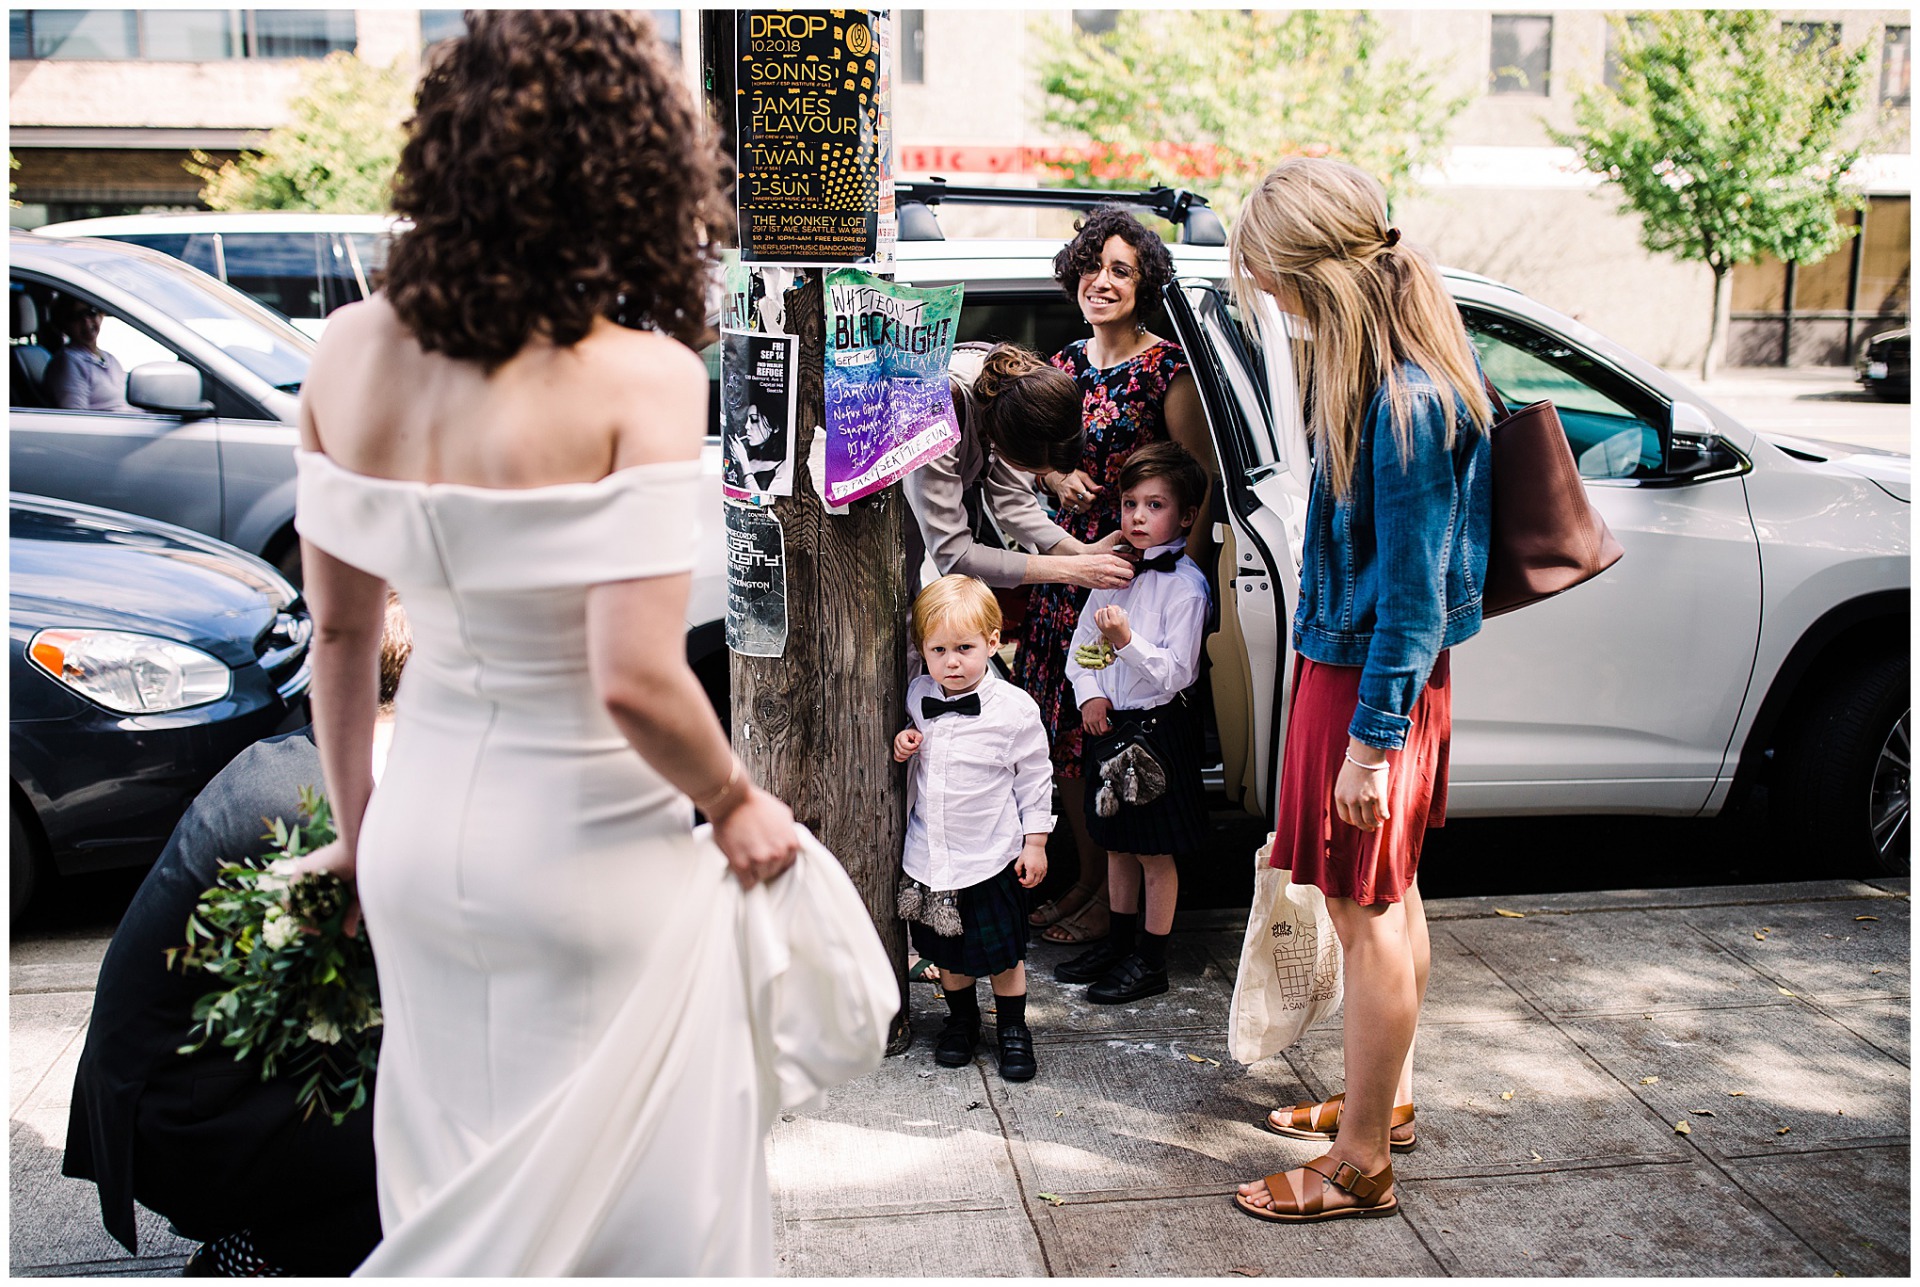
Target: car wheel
26, 865
1893, 392
1845, 779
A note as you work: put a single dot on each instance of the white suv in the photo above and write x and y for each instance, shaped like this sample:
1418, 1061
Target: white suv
1755, 635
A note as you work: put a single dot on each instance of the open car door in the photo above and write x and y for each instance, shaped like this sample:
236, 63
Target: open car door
1265, 486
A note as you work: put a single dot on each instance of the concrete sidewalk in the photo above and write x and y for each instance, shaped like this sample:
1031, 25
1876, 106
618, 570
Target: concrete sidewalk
1606, 1018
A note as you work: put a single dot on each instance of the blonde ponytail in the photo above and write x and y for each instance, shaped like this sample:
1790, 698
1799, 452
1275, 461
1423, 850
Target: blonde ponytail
1315, 233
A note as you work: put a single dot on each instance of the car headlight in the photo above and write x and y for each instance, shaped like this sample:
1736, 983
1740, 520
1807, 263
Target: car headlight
130, 673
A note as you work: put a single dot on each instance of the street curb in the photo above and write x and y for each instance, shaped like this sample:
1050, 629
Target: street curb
1618, 900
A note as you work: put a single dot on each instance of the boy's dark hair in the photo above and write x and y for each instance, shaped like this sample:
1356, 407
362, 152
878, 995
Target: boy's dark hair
1171, 461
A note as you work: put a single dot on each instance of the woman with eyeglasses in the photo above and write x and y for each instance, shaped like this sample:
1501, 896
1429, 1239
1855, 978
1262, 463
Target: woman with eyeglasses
80, 377
1135, 389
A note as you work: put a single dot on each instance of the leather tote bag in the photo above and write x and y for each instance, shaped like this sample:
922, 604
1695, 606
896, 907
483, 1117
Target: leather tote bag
1547, 536
1290, 967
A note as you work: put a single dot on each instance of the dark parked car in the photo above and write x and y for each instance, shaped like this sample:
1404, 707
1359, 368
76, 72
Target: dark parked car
141, 658
1886, 365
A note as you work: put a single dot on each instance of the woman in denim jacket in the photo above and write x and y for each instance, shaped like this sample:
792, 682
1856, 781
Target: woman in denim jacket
1396, 552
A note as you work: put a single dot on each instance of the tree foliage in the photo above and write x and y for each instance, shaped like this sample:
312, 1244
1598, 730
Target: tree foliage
1727, 135
336, 153
1213, 98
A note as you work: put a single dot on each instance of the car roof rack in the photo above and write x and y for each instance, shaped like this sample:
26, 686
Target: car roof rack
1188, 211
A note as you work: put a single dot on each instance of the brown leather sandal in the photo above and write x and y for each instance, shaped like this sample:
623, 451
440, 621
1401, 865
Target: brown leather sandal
1292, 1201
1321, 1122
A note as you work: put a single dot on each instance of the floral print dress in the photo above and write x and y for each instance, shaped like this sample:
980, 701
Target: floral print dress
1124, 409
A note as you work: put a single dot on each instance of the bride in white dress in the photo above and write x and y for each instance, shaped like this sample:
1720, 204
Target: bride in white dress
592, 1012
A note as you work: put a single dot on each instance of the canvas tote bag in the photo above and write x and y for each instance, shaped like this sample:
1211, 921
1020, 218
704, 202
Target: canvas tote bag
1290, 975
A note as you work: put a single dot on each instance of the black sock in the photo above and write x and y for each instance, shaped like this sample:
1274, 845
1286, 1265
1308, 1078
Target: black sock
963, 1003
1152, 948
1123, 927
1010, 1011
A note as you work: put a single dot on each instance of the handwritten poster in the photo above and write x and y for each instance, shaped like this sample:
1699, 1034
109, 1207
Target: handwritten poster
814, 136
889, 407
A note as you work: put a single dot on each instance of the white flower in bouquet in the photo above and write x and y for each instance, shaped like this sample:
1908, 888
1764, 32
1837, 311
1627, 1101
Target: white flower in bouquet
278, 930
324, 1031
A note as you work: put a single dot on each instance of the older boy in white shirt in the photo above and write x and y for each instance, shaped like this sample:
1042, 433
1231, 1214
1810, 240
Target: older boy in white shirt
1136, 652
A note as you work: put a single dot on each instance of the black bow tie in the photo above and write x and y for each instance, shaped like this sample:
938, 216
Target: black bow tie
933, 707
1165, 561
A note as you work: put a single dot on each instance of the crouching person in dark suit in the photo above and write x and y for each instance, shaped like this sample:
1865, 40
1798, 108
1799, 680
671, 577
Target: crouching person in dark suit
199, 1138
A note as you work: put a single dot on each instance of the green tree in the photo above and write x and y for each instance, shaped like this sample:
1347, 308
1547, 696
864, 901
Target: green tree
1727, 136
336, 153
1213, 98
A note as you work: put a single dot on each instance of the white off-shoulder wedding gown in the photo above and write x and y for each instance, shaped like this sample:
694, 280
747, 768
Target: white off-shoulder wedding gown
589, 1027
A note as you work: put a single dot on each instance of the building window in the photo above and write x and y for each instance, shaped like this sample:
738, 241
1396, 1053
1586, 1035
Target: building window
1095, 22
178, 35
1819, 312
437, 25
666, 25
1610, 72
1522, 54
299, 33
186, 35
1896, 71
913, 46
75, 33
1820, 36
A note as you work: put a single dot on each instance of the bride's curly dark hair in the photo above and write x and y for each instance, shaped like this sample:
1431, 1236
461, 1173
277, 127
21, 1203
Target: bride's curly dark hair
556, 170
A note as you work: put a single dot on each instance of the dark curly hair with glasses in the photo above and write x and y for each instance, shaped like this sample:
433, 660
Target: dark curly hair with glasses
1081, 256
556, 170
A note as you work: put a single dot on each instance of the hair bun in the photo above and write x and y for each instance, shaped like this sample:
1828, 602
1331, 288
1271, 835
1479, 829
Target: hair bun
1004, 364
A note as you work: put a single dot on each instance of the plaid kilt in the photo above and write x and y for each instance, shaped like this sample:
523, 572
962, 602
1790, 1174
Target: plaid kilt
994, 931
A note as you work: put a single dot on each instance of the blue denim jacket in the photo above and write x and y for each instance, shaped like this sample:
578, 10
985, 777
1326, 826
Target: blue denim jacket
1393, 573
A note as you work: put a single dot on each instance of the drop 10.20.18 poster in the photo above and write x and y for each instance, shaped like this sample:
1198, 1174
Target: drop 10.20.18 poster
814, 137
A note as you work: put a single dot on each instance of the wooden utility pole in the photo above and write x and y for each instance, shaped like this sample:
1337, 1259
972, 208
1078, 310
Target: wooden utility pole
815, 725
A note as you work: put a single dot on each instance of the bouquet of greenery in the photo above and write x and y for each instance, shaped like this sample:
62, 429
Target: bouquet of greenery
295, 991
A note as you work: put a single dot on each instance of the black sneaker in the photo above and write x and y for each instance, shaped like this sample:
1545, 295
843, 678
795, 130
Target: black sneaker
1016, 1053
954, 1049
1089, 965
1130, 980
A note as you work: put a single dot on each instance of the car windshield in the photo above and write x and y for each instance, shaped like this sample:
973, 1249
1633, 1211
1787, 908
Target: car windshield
242, 329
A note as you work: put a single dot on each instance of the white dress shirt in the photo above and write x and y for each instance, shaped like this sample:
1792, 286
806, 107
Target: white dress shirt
1167, 613
981, 784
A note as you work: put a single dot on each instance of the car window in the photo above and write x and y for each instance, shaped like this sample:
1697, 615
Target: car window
196, 248
283, 270
246, 332
1045, 323
341, 281
131, 346
1612, 428
371, 250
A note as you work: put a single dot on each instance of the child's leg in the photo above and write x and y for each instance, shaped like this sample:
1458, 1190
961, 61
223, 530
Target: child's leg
1010, 996
1010, 1024
1163, 891
1123, 895
1162, 880
955, 1044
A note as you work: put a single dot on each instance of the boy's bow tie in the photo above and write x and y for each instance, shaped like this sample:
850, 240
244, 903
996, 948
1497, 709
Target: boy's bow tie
932, 707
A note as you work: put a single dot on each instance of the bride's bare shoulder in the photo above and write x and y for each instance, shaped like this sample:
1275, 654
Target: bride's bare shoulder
661, 386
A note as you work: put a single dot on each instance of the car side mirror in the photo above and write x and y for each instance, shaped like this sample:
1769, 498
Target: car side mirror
171, 388
1697, 450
